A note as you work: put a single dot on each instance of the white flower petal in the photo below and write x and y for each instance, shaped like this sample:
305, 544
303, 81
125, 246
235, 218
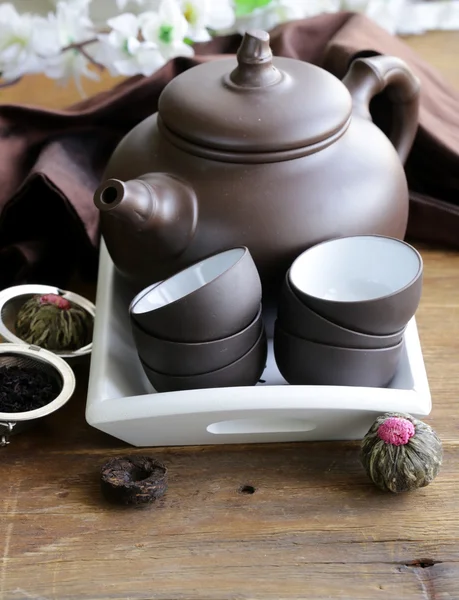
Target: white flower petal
126, 24
11, 53
114, 38
149, 25
132, 45
202, 15
8, 14
198, 35
170, 11
221, 15
150, 61
105, 54
177, 49
19, 51
45, 37
128, 67
148, 17
170, 15
185, 50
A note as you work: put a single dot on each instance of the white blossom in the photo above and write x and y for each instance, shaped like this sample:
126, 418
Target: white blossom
144, 43
22, 45
385, 13
63, 44
203, 15
267, 17
420, 17
281, 11
70, 25
166, 29
122, 51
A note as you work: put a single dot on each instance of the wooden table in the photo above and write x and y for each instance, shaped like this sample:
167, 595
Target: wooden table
313, 528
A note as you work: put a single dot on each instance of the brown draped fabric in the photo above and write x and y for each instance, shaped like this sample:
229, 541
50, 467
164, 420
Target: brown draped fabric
51, 161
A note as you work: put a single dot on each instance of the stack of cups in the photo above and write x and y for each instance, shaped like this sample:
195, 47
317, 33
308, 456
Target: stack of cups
343, 311
203, 327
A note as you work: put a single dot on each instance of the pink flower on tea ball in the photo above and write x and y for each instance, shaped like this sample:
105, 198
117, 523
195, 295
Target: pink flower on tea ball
396, 431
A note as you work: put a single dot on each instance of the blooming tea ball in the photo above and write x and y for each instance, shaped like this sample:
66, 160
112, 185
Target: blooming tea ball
401, 453
54, 323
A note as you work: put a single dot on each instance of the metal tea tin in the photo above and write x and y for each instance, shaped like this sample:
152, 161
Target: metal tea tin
21, 355
13, 298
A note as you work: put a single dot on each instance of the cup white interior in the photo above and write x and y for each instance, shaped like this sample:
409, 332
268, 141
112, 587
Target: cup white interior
188, 281
355, 269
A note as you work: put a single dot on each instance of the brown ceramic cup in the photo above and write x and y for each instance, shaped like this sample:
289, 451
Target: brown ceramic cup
368, 283
212, 299
243, 372
300, 320
180, 358
302, 362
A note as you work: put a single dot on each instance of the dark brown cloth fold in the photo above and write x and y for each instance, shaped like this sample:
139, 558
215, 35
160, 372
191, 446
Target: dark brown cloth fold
51, 161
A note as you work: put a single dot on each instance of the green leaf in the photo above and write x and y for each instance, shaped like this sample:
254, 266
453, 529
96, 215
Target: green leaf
245, 7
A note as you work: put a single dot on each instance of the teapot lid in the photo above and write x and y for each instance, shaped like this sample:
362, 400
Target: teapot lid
256, 102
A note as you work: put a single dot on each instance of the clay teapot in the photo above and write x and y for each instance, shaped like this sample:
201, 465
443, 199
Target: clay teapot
266, 152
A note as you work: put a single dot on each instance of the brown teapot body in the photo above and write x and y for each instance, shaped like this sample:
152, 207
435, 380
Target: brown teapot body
171, 199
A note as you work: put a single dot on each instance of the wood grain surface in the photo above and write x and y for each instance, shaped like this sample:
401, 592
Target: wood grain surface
313, 528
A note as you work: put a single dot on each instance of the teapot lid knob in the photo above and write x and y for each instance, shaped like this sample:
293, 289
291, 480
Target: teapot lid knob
255, 67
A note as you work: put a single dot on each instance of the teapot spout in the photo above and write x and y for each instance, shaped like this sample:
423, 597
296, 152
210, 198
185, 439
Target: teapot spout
159, 205
132, 201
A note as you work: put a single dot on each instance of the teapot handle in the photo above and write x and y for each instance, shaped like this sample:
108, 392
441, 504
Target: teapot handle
367, 77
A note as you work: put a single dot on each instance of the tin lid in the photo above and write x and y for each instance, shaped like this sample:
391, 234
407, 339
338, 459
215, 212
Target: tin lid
255, 102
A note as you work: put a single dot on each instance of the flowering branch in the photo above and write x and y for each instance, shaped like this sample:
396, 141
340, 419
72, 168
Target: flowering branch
7, 84
81, 47
66, 44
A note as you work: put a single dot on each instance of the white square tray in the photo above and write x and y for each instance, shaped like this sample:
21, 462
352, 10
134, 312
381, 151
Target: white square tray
122, 402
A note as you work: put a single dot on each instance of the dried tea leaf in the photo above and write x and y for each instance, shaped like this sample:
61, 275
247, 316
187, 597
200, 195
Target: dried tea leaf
26, 388
133, 480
